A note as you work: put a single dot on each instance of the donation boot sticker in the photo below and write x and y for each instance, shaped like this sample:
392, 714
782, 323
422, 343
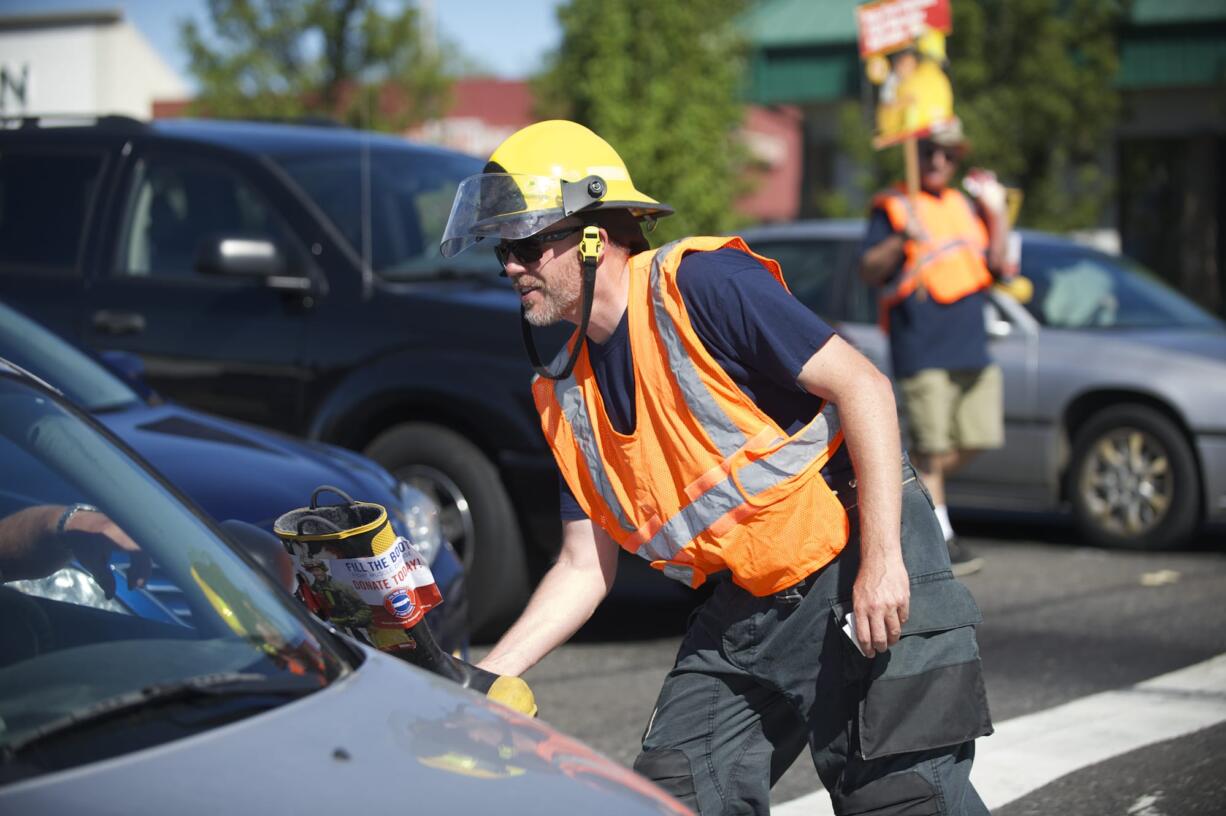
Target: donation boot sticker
376, 598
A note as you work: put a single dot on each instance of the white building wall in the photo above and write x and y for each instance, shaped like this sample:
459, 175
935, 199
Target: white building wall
131, 75
57, 66
83, 69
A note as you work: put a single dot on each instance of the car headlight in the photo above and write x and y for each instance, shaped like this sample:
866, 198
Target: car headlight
419, 513
70, 585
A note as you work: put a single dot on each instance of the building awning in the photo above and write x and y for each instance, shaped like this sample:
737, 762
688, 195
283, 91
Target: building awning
803, 76
789, 23
803, 51
1166, 12
1172, 61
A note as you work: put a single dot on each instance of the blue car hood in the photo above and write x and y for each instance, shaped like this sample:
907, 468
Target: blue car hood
238, 471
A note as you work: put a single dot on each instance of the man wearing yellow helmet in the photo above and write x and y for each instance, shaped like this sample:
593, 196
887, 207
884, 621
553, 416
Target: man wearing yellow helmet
693, 419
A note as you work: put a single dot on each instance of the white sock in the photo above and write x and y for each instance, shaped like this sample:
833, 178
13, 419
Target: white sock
943, 517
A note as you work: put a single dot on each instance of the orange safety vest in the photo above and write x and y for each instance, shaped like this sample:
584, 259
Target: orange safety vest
948, 264
706, 481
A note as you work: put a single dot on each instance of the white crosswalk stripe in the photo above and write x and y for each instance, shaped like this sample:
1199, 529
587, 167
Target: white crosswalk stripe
1031, 751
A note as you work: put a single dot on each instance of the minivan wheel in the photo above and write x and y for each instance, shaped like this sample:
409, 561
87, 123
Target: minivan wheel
476, 515
1133, 480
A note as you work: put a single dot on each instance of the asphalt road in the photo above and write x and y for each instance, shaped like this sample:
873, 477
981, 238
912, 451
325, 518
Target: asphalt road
1061, 622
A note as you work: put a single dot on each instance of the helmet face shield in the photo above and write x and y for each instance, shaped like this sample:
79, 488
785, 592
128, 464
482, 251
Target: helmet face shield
497, 206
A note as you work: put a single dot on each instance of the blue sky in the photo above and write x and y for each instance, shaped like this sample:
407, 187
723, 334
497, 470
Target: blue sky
508, 36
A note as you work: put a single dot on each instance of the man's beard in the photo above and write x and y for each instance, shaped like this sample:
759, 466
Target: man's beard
555, 302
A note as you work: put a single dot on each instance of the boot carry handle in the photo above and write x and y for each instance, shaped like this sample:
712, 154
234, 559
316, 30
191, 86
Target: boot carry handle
330, 489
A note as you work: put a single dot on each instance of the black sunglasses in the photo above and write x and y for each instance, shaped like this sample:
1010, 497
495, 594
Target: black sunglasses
929, 149
529, 250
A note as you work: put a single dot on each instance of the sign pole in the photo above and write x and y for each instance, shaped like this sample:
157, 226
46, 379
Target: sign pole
910, 152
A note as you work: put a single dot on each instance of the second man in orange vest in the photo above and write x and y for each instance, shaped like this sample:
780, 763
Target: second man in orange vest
933, 255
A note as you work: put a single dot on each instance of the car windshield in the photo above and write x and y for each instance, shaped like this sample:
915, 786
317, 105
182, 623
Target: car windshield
399, 224
39, 351
1081, 288
78, 668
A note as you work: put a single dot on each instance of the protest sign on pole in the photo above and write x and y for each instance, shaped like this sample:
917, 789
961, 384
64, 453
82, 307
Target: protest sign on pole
903, 45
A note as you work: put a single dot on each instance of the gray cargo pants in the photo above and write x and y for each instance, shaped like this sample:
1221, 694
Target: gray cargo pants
757, 678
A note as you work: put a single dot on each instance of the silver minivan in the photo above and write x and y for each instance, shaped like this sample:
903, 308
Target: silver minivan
246, 705
1114, 384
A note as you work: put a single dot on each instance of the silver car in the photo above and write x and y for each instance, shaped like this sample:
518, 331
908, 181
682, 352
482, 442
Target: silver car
1114, 384
247, 706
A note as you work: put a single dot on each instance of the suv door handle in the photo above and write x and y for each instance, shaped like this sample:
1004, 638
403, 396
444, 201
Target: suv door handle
109, 322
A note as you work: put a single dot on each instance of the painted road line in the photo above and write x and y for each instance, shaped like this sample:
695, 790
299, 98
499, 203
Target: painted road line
1031, 751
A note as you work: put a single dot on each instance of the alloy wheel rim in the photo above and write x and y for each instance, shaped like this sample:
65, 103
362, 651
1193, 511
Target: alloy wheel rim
455, 514
1126, 482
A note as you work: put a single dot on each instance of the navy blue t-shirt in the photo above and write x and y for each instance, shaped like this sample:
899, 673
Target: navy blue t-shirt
751, 326
927, 334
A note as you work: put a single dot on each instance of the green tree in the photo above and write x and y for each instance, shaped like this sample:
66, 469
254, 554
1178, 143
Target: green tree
662, 83
359, 61
1033, 84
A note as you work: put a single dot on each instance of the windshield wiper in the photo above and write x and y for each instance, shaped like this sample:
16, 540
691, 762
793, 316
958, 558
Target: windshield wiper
221, 684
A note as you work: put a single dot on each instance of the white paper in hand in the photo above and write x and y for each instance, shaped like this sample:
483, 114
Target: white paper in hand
849, 626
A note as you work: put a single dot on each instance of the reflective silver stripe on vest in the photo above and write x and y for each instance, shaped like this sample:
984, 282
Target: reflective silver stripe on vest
722, 431
570, 397
679, 573
695, 517
789, 460
793, 457
755, 478
913, 270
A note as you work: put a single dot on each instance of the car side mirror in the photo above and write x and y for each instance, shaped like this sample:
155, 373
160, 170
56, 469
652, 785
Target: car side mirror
265, 548
254, 258
236, 256
995, 322
128, 366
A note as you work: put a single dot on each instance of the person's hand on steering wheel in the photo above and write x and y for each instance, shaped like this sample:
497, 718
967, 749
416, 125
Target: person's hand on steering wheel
37, 541
93, 538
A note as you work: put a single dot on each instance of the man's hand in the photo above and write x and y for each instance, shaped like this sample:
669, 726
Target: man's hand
865, 398
92, 538
987, 191
879, 263
881, 598
913, 230
34, 543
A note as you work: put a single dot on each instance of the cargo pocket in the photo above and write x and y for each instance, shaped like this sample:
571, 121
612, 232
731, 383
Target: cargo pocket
927, 690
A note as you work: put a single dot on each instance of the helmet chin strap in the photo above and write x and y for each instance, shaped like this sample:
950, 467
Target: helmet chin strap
589, 253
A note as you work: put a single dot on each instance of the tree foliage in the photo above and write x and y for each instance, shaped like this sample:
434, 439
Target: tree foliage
359, 61
661, 82
1033, 84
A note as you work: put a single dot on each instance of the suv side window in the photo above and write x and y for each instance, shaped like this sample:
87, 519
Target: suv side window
175, 203
395, 218
862, 298
814, 270
45, 198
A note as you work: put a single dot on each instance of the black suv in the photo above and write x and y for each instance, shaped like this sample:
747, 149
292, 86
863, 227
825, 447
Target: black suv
289, 276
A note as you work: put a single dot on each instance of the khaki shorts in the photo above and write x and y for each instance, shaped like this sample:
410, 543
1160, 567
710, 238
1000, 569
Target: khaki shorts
954, 410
